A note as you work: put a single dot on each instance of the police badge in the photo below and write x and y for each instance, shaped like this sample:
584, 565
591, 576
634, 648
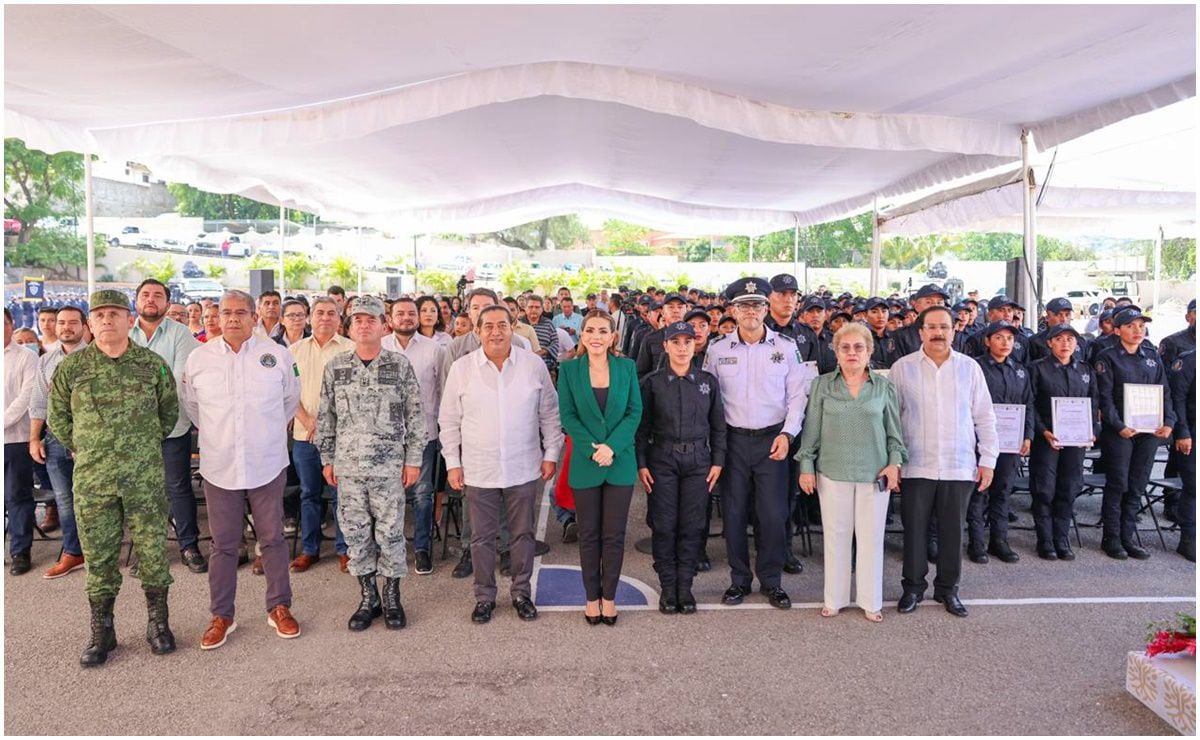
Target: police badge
704, 389
267, 360
777, 357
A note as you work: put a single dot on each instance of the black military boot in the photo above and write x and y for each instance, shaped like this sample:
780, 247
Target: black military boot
104, 637
369, 607
158, 629
393, 612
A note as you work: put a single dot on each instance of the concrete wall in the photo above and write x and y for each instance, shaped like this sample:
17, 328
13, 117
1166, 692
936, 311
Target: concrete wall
126, 199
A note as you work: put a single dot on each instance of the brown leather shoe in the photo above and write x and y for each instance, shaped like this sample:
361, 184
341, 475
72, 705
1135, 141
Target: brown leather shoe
50, 523
344, 562
303, 562
284, 623
257, 567
218, 630
65, 565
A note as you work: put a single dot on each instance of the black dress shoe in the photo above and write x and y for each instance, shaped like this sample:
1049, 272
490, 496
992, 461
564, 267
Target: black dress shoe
734, 595
423, 563
1136, 552
703, 565
667, 604
792, 564
1001, 550
931, 552
908, 602
483, 612
1114, 550
21, 563
463, 569
1048, 554
1065, 554
525, 609
778, 597
977, 556
194, 561
1187, 548
952, 604
687, 602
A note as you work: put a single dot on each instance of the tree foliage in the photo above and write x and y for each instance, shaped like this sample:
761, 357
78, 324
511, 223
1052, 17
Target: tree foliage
560, 231
226, 206
297, 269
37, 185
341, 270
622, 238
1178, 258
62, 254
438, 281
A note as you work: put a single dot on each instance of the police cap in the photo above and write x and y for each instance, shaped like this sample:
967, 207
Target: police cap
875, 302
1054, 331
748, 289
930, 290
998, 326
698, 313
784, 281
679, 328
1128, 316
1058, 304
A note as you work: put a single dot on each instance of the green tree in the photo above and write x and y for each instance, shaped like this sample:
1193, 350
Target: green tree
516, 277
700, 250
1178, 258
192, 201
622, 238
561, 231
62, 254
297, 269
438, 281
216, 272
341, 270
37, 185
899, 253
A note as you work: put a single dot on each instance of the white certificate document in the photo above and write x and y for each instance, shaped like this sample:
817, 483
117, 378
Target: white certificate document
1143, 407
1010, 426
1071, 420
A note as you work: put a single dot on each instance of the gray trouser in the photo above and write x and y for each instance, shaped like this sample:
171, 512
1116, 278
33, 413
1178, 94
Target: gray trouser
371, 515
519, 504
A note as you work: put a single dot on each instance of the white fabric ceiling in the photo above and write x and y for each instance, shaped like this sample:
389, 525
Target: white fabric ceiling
698, 119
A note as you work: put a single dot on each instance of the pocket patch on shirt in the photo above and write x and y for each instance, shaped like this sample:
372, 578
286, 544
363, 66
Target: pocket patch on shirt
389, 375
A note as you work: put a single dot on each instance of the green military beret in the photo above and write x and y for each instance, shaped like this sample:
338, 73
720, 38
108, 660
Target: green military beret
108, 299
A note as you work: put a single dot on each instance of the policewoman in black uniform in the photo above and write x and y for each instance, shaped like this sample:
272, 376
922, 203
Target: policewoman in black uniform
1056, 472
680, 448
1182, 376
1128, 455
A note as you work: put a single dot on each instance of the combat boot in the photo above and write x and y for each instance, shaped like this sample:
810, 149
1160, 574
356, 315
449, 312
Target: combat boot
369, 607
104, 637
393, 612
158, 629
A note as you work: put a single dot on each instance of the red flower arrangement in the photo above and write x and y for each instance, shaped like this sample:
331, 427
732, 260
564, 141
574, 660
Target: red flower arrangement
1176, 637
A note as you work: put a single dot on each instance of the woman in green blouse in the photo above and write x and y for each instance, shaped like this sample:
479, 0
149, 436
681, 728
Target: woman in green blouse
851, 450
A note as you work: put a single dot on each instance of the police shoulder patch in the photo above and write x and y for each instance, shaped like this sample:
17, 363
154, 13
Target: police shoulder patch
267, 360
1100, 367
1178, 365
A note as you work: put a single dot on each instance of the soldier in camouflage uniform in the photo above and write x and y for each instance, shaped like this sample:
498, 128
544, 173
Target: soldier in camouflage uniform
372, 436
112, 404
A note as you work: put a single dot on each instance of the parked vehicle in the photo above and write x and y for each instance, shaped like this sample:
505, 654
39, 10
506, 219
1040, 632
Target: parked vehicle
197, 288
192, 270
130, 236
937, 271
488, 271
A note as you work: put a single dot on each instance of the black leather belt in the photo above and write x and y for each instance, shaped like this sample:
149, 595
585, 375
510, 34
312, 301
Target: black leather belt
771, 431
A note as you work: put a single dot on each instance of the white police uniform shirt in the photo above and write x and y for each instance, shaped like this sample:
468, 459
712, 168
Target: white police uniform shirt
428, 359
762, 384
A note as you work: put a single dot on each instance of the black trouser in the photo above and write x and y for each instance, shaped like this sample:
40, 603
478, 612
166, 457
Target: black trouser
750, 474
1055, 479
921, 498
1127, 471
677, 506
602, 514
1186, 467
18, 496
177, 463
988, 509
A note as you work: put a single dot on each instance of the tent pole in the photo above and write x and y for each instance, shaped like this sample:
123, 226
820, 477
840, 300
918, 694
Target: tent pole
1158, 240
1030, 218
89, 205
358, 231
752, 250
876, 246
282, 214
796, 249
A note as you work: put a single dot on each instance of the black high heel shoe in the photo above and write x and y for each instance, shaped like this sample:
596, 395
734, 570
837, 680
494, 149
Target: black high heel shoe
592, 620
610, 621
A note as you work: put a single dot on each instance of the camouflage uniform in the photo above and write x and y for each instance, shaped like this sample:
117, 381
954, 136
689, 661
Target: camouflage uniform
369, 426
113, 414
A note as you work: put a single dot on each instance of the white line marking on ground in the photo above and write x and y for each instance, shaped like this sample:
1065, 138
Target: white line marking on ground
931, 602
540, 534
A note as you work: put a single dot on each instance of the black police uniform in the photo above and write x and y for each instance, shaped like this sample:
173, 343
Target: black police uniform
1127, 461
1182, 377
639, 332
907, 340
977, 349
1039, 347
1056, 476
650, 353
885, 352
681, 435
1171, 346
1008, 383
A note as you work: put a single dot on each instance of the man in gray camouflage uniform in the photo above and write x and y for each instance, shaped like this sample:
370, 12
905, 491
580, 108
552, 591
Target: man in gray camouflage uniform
371, 435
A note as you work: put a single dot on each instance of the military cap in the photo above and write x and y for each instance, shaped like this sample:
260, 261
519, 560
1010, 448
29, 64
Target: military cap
1001, 301
748, 289
677, 329
784, 281
108, 298
875, 302
1128, 316
674, 296
697, 313
369, 305
998, 326
1054, 331
930, 290
1058, 304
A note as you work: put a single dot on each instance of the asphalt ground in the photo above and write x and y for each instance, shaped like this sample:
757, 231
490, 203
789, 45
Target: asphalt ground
1042, 653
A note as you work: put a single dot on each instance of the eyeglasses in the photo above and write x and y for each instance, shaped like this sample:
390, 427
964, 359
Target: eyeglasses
749, 305
852, 348
294, 316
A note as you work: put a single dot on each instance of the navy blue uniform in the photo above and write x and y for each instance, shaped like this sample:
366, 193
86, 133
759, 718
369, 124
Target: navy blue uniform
1056, 476
886, 350
650, 353
1039, 347
1127, 462
1182, 377
1171, 346
977, 349
1008, 383
681, 435
907, 340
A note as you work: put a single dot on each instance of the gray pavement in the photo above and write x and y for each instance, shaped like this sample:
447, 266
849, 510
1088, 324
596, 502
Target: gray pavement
1044, 668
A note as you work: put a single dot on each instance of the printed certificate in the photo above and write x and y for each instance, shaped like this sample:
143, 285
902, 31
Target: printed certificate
1010, 426
1143, 407
1071, 420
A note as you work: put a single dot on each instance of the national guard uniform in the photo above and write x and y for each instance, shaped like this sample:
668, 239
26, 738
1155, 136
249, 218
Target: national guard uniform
1182, 377
764, 389
113, 415
1127, 462
1038, 344
1008, 383
1056, 476
369, 427
680, 437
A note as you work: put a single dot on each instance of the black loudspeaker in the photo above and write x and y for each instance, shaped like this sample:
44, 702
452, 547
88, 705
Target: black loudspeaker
261, 281
393, 287
1014, 284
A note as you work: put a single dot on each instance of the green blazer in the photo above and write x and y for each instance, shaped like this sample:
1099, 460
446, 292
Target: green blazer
585, 424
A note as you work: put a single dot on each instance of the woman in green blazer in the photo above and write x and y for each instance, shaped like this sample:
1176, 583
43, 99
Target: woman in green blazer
600, 406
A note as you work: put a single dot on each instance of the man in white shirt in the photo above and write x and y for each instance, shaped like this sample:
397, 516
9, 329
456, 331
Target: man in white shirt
950, 432
498, 382
269, 306
20, 369
242, 390
427, 358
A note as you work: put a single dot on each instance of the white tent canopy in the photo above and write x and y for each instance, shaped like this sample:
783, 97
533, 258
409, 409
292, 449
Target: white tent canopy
700, 119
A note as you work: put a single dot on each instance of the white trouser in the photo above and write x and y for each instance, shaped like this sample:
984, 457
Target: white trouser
853, 511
